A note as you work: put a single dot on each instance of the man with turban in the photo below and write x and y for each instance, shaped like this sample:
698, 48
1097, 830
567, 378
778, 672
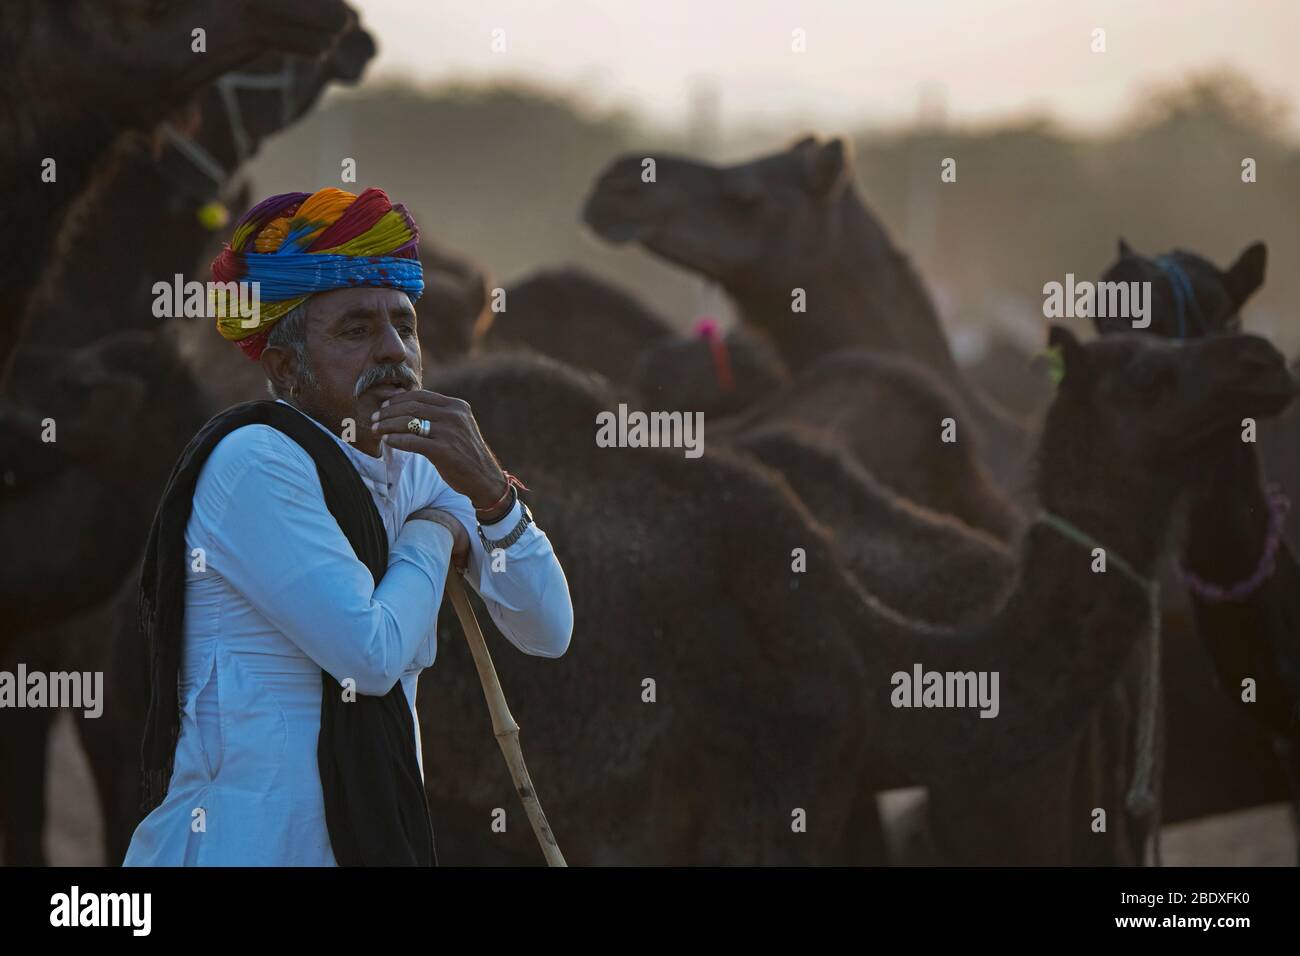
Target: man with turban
291, 585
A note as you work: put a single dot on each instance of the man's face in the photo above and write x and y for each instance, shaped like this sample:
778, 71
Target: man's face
357, 338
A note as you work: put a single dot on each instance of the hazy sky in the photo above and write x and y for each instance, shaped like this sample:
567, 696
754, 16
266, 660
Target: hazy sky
866, 59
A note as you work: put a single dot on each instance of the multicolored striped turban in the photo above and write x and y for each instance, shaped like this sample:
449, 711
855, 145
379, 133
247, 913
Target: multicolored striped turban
296, 244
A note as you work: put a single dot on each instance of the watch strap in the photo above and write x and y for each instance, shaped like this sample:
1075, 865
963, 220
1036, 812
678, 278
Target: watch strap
515, 533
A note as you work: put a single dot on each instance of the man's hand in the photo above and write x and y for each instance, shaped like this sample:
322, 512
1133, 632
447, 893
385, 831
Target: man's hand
460, 537
454, 444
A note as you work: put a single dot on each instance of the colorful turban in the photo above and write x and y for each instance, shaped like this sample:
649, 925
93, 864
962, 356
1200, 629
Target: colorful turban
296, 244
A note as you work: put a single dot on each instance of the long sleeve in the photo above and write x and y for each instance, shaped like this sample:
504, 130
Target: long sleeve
277, 544
528, 596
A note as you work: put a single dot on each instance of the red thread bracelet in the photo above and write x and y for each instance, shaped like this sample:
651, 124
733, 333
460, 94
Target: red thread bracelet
511, 481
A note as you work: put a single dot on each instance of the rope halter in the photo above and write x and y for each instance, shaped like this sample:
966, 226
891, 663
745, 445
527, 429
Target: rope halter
1140, 801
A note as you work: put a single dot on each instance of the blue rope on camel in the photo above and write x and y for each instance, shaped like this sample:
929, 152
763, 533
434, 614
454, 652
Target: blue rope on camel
1184, 294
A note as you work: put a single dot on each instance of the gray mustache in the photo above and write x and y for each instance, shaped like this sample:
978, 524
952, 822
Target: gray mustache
380, 372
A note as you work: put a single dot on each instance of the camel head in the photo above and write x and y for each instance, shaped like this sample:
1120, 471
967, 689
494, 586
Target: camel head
759, 223
213, 135
1152, 413
717, 375
452, 313
1184, 283
128, 57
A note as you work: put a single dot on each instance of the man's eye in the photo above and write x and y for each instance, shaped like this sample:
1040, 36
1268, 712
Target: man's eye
354, 331
408, 330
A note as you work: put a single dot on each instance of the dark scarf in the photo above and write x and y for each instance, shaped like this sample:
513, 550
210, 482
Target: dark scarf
375, 806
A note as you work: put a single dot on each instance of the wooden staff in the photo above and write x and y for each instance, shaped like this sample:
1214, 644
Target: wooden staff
503, 722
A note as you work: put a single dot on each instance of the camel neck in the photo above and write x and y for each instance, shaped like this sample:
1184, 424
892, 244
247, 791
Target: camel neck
862, 292
1129, 508
1228, 521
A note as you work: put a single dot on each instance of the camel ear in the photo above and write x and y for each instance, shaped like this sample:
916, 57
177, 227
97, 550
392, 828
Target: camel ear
1074, 368
828, 170
1246, 274
1125, 251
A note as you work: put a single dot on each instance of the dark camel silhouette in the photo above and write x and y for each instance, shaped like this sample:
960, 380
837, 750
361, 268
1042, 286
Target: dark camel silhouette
792, 221
992, 818
701, 216
452, 312
615, 770
708, 372
1254, 635
118, 406
576, 318
142, 228
1215, 761
78, 80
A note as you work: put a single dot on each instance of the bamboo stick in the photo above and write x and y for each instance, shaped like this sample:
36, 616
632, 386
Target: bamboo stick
503, 722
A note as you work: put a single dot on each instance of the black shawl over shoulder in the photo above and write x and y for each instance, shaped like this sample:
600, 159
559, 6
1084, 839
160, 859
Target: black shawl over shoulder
375, 806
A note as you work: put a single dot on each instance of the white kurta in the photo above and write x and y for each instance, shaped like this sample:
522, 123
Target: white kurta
281, 596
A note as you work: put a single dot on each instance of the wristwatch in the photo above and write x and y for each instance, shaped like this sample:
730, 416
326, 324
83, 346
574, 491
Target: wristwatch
515, 533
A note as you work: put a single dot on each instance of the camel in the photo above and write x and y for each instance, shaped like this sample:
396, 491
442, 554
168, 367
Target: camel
707, 218
131, 70
577, 318
974, 819
148, 214
615, 770
452, 312
142, 228
708, 372
119, 407
1256, 634
1212, 765
787, 224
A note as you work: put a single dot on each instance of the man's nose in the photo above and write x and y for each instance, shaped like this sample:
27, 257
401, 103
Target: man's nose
390, 349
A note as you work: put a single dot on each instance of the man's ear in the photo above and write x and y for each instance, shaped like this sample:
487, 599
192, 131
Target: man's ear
1075, 365
1246, 274
280, 366
827, 168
